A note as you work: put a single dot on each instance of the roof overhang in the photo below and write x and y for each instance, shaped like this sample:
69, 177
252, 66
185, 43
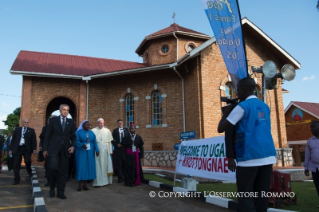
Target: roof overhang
147, 38
128, 71
195, 52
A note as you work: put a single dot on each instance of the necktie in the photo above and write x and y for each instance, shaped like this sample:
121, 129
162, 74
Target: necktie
24, 130
63, 124
121, 138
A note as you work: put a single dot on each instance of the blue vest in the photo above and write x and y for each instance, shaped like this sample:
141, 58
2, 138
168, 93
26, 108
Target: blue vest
253, 138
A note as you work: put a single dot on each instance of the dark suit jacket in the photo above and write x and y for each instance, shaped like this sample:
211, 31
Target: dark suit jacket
54, 136
116, 136
42, 135
128, 142
29, 139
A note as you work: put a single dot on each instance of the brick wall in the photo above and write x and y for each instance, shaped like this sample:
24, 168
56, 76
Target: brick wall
106, 101
203, 78
44, 90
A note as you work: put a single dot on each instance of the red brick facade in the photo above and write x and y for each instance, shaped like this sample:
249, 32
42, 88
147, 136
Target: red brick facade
204, 79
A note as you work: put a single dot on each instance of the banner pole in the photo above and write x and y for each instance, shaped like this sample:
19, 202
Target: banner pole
174, 177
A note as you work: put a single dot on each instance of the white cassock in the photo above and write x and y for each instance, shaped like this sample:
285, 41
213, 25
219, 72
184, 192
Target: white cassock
103, 163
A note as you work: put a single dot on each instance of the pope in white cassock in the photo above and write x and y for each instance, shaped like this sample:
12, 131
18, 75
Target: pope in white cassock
104, 167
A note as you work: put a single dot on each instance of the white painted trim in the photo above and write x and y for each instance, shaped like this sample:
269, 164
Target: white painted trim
264, 35
154, 184
128, 90
148, 126
39, 74
297, 142
222, 88
121, 100
164, 95
194, 52
147, 97
229, 78
135, 98
164, 125
155, 86
291, 103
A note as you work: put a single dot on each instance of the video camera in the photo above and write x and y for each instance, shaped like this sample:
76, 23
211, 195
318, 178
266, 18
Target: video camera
230, 101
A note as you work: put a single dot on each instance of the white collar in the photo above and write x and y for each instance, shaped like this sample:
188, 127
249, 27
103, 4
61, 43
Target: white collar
251, 97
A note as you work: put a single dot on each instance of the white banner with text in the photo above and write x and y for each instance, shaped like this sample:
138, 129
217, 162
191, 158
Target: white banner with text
204, 158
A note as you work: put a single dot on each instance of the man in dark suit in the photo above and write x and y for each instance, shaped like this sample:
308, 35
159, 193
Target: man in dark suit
23, 143
58, 148
42, 136
8, 142
118, 135
1, 146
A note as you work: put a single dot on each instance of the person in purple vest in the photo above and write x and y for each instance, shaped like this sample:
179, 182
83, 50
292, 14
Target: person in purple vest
132, 155
255, 150
312, 154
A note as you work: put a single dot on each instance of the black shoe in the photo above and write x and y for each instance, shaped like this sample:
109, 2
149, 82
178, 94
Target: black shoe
61, 196
132, 185
15, 183
47, 184
52, 193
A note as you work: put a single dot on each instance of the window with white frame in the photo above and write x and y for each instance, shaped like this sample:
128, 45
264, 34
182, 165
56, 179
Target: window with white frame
129, 110
156, 108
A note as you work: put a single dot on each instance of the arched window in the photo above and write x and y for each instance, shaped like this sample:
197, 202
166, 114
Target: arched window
156, 108
129, 110
230, 91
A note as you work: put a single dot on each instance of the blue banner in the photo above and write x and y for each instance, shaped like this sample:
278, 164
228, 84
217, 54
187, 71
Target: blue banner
224, 18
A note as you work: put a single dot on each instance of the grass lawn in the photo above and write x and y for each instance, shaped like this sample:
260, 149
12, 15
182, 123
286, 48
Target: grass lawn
307, 198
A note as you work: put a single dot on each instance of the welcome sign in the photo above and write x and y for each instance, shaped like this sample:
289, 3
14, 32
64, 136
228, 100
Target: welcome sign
224, 18
204, 158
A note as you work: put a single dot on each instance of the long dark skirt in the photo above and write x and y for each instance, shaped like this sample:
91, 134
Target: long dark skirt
130, 170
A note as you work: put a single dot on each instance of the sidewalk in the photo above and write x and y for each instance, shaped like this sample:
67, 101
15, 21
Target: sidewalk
15, 197
117, 197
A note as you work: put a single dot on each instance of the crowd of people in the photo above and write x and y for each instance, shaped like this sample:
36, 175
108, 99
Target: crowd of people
89, 155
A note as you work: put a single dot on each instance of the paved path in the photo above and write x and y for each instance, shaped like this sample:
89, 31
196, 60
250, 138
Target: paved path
15, 197
117, 197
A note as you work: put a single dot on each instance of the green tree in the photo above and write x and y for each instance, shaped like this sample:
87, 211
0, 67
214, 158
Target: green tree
12, 121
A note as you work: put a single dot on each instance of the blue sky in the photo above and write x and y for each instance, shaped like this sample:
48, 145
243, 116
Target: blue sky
114, 29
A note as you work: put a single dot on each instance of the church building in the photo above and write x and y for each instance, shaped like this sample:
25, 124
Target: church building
176, 89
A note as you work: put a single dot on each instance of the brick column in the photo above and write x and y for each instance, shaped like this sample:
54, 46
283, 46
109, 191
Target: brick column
82, 102
26, 98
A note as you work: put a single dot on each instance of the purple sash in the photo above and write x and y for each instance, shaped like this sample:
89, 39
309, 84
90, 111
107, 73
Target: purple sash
137, 160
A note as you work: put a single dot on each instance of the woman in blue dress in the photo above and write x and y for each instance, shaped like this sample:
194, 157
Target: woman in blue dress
86, 147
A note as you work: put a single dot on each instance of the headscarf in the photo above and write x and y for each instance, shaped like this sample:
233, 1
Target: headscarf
81, 125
